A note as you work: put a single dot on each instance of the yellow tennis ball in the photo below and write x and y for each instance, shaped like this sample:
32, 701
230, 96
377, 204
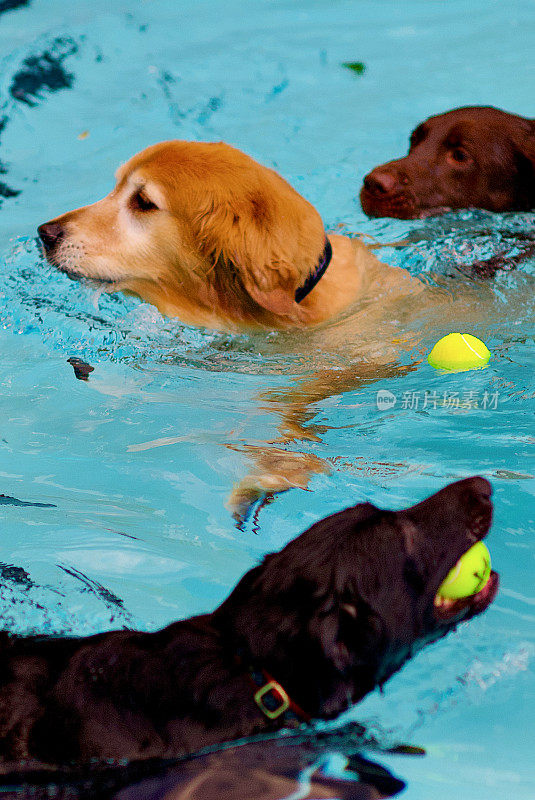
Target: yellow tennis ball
469, 575
459, 351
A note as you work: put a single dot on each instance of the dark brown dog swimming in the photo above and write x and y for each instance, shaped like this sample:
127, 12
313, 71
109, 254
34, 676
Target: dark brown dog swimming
473, 157
305, 634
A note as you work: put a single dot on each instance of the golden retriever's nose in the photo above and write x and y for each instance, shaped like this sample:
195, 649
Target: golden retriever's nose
50, 233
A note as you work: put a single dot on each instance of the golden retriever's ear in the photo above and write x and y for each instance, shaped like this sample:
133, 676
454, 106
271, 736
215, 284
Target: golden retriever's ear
279, 301
262, 242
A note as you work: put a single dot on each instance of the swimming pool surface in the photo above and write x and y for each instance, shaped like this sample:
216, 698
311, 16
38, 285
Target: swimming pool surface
136, 464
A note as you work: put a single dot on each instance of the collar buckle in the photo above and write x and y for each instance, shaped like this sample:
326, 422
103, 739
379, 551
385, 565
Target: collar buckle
278, 695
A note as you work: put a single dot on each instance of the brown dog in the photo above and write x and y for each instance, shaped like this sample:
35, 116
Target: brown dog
304, 635
477, 157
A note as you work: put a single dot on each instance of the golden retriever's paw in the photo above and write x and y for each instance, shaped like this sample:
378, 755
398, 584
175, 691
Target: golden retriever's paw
274, 470
244, 496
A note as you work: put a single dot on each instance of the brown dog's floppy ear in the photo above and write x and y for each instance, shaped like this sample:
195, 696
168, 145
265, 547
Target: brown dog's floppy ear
333, 646
263, 243
341, 634
336, 626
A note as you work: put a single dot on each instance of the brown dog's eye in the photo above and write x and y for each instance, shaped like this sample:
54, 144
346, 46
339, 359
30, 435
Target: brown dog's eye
459, 155
140, 202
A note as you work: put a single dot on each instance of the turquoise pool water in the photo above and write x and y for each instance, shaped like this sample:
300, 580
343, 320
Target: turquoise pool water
136, 465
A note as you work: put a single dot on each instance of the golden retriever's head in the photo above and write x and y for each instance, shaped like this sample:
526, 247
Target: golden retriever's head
202, 231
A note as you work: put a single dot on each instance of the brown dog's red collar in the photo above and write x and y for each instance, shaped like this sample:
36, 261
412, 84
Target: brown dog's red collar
273, 700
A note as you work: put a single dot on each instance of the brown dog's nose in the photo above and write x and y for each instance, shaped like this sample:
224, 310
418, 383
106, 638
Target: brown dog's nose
480, 487
50, 234
380, 182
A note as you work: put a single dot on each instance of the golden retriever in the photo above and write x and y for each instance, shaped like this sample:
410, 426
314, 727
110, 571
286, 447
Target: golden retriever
210, 236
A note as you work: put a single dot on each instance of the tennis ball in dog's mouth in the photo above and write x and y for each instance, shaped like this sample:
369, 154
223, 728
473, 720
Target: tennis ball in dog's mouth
469, 575
459, 351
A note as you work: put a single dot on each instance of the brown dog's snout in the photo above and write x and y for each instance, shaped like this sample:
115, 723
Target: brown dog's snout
382, 182
50, 234
387, 192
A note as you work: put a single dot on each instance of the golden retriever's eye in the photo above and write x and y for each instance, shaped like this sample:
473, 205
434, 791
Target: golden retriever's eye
140, 202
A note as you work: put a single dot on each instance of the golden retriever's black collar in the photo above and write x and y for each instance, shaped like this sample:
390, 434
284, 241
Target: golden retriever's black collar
314, 277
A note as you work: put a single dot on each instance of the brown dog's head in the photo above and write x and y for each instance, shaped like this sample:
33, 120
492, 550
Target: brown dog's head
473, 157
199, 229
